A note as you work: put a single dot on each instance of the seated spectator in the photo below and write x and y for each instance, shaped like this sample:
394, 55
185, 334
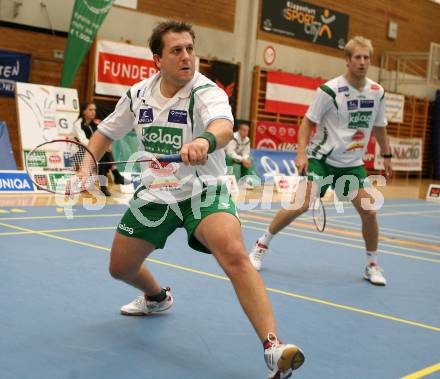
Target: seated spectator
238, 155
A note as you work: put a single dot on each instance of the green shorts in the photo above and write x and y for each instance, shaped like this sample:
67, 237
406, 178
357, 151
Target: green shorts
344, 180
154, 222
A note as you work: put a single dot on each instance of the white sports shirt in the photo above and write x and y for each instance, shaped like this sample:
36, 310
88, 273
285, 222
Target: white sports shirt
162, 130
345, 118
239, 148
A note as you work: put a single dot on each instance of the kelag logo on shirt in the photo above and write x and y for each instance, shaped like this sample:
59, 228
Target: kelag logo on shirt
359, 120
177, 116
162, 139
145, 116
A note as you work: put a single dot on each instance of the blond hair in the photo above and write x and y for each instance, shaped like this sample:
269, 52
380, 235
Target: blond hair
357, 41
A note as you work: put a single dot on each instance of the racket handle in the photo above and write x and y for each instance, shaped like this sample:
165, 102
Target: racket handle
170, 158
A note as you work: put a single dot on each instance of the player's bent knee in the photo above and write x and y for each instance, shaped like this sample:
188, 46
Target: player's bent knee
233, 256
119, 272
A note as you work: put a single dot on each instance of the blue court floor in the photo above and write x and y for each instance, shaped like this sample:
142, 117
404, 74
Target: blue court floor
59, 313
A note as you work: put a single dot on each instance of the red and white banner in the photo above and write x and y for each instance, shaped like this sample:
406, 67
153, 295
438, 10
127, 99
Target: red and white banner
119, 65
289, 93
369, 154
276, 136
407, 154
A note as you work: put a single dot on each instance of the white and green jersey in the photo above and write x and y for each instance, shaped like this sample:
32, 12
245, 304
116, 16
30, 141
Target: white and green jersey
345, 118
163, 129
239, 148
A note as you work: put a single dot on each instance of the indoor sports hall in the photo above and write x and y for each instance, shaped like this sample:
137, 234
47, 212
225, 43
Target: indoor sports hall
63, 68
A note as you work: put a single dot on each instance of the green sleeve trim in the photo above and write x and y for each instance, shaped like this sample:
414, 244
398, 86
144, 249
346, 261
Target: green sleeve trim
131, 100
191, 102
329, 92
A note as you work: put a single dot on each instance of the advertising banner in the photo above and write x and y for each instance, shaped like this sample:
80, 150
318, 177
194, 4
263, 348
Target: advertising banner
370, 153
119, 65
304, 21
407, 154
45, 113
15, 181
87, 17
394, 107
272, 163
276, 136
14, 67
225, 75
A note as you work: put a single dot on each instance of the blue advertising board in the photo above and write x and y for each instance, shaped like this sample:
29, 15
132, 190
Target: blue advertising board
14, 67
15, 181
273, 162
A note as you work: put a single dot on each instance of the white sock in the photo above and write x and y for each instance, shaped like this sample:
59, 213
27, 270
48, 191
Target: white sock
266, 238
372, 258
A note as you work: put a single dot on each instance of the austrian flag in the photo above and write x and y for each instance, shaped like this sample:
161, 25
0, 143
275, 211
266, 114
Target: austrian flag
289, 93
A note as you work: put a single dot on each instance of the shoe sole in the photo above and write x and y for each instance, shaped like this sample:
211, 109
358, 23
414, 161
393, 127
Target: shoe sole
292, 358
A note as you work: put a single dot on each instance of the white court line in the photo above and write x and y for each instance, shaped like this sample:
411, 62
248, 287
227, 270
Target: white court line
301, 229
274, 290
388, 252
393, 232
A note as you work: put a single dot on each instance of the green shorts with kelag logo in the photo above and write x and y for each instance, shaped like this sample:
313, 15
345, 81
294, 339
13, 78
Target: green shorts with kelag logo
344, 180
154, 222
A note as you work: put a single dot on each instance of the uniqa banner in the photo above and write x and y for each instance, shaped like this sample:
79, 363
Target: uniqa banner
269, 162
87, 18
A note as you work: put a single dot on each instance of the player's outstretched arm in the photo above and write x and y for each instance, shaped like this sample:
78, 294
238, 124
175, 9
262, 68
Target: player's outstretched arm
304, 133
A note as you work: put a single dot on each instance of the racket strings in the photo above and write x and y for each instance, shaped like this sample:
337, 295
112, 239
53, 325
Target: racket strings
64, 167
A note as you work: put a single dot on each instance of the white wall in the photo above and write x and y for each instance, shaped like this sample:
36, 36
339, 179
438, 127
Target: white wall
122, 24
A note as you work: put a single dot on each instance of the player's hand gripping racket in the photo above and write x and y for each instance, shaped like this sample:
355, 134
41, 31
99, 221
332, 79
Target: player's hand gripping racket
67, 167
318, 210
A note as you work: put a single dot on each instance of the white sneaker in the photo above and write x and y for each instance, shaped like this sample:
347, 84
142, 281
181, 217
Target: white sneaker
257, 254
374, 274
282, 359
141, 306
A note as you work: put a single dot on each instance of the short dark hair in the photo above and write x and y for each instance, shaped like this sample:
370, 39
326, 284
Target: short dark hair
156, 43
238, 122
